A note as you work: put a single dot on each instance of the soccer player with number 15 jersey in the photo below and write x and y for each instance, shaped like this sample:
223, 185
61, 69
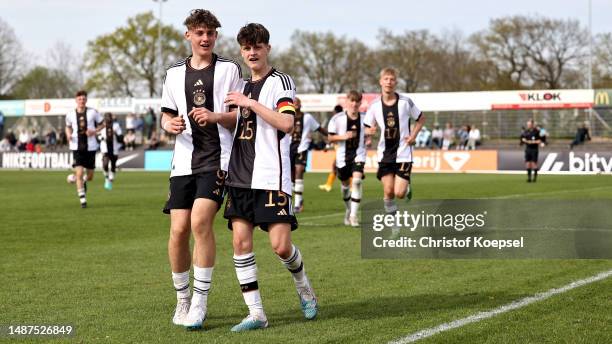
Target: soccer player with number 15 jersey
259, 175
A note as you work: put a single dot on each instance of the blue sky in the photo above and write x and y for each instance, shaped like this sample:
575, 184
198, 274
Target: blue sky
39, 24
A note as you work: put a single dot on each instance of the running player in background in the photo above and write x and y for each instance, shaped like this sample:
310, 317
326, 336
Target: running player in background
332, 174
109, 146
304, 124
195, 88
393, 113
531, 139
82, 125
346, 129
259, 176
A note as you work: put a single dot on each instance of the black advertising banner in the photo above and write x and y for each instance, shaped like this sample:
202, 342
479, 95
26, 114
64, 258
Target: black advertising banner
558, 161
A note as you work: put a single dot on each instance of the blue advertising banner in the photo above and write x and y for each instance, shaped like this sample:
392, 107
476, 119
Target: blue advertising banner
12, 108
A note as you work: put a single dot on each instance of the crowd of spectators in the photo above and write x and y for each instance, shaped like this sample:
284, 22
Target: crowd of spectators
467, 137
141, 130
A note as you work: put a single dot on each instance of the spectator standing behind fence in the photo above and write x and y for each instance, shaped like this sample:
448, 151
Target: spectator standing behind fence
463, 135
24, 138
473, 138
582, 135
130, 122
130, 140
448, 138
150, 123
1, 124
423, 138
543, 135
63, 140
140, 124
5, 144
51, 139
437, 135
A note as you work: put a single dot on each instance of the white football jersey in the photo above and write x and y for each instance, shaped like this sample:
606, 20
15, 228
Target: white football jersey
114, 144
353, 150
200, 149
394, 123
80, 122
302, 127
260, 153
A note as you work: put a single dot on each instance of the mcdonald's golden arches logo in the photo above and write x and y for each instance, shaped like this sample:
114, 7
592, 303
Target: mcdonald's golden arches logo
602, 98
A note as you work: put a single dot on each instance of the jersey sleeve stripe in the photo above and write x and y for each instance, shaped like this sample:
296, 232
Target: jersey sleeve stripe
283, 81
289, 84
224, 59
169, 110
178, 63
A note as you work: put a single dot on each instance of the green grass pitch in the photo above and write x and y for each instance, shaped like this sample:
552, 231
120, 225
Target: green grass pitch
105, 270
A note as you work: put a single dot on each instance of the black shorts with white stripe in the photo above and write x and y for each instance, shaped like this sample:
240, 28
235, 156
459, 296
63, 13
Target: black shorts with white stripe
346, 172
260, 207
184, 190
400, 169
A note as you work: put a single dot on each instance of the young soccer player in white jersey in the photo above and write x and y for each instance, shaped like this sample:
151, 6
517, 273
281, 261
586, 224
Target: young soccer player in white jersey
347, 130
303, 125
82, 125
393, 113
195, 87
259, 176
109, 146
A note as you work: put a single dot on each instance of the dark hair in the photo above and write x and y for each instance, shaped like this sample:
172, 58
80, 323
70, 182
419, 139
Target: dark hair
354, 95
200, 18
81, 93
252, 34
338, 108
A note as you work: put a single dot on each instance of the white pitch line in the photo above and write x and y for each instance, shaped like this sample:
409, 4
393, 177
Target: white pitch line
503, 309
319, 216
549, 192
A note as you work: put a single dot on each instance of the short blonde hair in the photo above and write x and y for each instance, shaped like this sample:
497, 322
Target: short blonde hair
388, 70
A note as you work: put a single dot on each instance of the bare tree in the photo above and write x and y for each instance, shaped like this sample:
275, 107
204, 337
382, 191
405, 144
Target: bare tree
410, 53
602, 64
325, 63
553, 49
11, 58
61, 57
502, 45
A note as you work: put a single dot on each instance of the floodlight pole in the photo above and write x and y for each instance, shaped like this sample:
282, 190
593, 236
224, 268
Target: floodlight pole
160, 56
590, 76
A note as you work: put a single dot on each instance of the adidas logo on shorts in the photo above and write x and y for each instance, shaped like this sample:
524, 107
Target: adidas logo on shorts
282, 212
